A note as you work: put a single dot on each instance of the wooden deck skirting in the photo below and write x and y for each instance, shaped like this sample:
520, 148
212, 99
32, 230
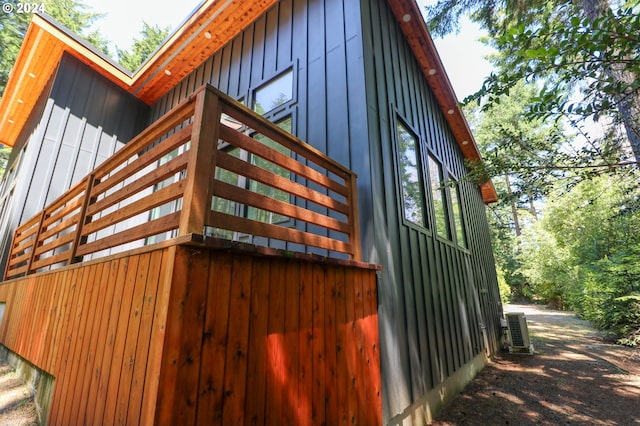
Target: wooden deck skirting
189, 334
172, 179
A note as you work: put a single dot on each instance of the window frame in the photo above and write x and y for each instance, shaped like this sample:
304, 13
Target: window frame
274, 114
446, 204
399, 120
454, 188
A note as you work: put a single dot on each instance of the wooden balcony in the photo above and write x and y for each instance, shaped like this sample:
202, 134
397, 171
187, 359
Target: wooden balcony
180, 326
209, 167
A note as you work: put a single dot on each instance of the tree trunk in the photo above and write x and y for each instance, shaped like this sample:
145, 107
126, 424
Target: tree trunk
532, 207
629, 102
514, 207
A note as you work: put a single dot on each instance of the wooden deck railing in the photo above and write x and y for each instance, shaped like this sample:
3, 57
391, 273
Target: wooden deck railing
210, 166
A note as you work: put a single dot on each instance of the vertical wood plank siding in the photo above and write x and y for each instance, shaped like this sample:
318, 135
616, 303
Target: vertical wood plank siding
95, 329
255, 340
435, 298
188, 335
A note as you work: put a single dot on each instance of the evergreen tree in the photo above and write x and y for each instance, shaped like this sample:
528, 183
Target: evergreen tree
142, 48
583, 53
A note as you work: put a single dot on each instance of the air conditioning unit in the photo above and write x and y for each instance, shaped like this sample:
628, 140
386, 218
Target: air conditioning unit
518, 334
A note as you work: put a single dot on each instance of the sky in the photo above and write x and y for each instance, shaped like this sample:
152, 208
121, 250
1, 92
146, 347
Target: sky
462, 54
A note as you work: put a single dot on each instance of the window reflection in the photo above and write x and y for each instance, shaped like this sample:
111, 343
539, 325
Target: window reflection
410, 175
439, 198
274, 93
458, 223
262, 189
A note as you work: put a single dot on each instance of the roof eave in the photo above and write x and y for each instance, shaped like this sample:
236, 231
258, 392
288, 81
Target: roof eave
415, 30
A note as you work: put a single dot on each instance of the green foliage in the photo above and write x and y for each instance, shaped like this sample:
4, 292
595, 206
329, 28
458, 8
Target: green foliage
503, 286
527, 149
505, 246
582, 55
13, 26
142, 48
563, 66
587, 68
5, 152
584, 253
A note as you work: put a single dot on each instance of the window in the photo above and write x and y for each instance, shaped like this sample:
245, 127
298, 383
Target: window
410, 175
438, 192
458, 222
274, 93
262, 189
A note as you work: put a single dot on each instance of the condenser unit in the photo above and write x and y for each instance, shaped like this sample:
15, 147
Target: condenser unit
518, 333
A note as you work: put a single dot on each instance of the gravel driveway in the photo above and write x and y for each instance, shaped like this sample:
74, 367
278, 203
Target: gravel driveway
574, 378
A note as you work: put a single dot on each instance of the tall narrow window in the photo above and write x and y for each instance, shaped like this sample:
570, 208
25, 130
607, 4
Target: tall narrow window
410, 175
439, 198
458, 222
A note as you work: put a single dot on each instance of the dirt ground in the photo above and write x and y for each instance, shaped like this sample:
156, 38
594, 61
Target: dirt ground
575, 377
17, 407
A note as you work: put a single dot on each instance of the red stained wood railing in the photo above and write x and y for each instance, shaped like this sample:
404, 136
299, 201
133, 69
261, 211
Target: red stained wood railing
173, 177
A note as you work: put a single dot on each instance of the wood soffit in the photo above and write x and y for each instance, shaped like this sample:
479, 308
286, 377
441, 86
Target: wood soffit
209, 28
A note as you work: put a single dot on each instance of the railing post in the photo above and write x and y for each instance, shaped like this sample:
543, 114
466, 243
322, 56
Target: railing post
6, 266
32, 258
196, 201
82, 220
355, 218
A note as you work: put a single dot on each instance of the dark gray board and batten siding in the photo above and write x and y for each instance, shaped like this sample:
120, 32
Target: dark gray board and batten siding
82, 120
435, 298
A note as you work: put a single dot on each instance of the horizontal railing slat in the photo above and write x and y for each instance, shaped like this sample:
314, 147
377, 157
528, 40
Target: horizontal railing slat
56, 216
244, 196
251, 145
25, 233
126, 187
263, 126
252, 227
258, 174
24, 245
158, 175
155, 153
61, 226
19, 259
166, 123
154, 227
72, 193
54, 244
16, 272
51, 260
155, 199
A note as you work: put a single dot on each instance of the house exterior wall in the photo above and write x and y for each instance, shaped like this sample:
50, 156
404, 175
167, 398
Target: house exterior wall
437, 299
355, 79
82, 120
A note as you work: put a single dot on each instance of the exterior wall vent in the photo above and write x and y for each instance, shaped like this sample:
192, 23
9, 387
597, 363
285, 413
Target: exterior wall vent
518, 334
